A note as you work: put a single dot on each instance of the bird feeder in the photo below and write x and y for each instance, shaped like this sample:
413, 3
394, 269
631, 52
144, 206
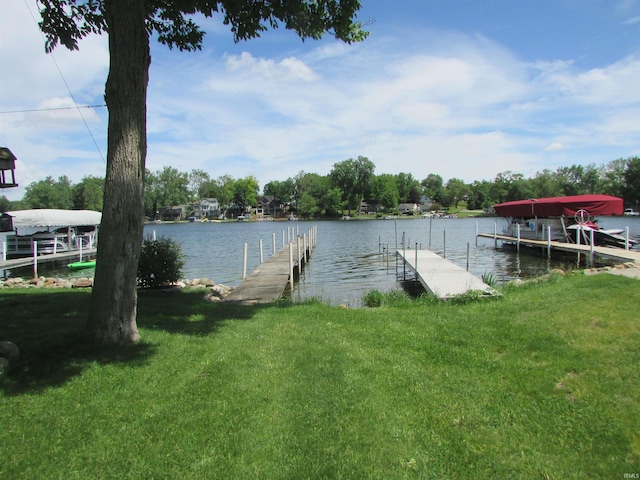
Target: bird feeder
7, 168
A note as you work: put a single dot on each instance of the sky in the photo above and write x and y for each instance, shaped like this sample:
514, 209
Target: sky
458, 88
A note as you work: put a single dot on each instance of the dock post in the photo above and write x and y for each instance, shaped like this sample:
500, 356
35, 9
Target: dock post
518, 239
4, 251
626, 238
468, 254
291, 266
387, 258
548, 241
79, 248
415, 278
35, 259
444, 248
404, 263
591, 244
495, 234
476, 233
261, 255
430, 222
304, 248
283, 244
244, 262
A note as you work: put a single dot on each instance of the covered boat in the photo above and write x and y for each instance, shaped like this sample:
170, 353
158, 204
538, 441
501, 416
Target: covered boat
565, 219
55, 230
594, 205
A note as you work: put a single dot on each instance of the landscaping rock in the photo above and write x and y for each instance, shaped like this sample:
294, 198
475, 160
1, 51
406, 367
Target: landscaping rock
82, 283
220, 290
212, 298
10, 351
4, 365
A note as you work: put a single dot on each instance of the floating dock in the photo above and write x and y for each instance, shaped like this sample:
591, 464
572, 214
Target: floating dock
269, 280
441, 277
610, 252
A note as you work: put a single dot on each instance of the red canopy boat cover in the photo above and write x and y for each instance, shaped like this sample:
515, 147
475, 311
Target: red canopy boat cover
558, 206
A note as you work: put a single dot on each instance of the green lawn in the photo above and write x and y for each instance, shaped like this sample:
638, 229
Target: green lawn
543, 383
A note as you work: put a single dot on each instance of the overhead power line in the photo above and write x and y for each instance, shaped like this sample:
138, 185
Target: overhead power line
52, 109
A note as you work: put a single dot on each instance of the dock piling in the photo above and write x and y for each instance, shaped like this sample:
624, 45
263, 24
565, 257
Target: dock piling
244, 262
444, 247
291, 265
468, 252
35, 259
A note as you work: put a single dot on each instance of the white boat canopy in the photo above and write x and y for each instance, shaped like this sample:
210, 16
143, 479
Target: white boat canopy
47, 217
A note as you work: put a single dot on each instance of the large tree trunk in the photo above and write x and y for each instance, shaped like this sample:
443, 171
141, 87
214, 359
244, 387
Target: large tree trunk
112, 317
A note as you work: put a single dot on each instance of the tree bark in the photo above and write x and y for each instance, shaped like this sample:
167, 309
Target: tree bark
112, 316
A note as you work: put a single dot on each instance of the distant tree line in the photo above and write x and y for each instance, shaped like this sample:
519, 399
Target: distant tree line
348, 184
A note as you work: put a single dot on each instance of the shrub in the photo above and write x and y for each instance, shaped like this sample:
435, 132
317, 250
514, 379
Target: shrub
396, 298
373, 298
161, 263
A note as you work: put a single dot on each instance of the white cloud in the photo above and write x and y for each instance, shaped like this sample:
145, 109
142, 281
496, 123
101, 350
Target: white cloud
289, 69
554, 147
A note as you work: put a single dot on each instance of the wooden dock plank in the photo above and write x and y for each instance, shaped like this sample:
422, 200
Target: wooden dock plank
441, 277
610, 252
268, 281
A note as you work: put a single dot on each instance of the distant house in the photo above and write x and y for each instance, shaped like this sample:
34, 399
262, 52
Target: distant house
206, 208
425, 204
172, 213
408, 208
371, 208
268, 205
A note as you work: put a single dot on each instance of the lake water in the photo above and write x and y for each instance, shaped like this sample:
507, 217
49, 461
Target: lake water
350, 256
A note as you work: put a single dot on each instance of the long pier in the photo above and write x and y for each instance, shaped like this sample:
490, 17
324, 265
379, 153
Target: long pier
441, 277
547, 245
269, 280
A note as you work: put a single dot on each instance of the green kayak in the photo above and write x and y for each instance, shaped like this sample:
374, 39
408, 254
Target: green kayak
81, 265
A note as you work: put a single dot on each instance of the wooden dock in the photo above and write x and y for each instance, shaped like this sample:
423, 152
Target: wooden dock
441, 277
269, 280
65, 257
610, 252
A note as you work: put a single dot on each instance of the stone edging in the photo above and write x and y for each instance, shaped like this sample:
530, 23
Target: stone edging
215, 292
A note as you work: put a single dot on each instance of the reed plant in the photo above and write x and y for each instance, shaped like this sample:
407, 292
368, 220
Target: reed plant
542, 383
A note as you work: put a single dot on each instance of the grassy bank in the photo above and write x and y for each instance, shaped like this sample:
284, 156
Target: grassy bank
543, 383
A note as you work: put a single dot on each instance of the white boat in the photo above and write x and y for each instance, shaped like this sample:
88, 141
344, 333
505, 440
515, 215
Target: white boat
52, 230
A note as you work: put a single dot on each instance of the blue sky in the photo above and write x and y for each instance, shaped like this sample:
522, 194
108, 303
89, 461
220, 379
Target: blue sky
459, 88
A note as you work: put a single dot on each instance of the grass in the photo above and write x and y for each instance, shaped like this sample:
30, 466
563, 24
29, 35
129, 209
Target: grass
541, 383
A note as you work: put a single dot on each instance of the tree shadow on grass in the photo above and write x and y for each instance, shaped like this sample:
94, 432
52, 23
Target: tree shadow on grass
49, 329
186, 312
